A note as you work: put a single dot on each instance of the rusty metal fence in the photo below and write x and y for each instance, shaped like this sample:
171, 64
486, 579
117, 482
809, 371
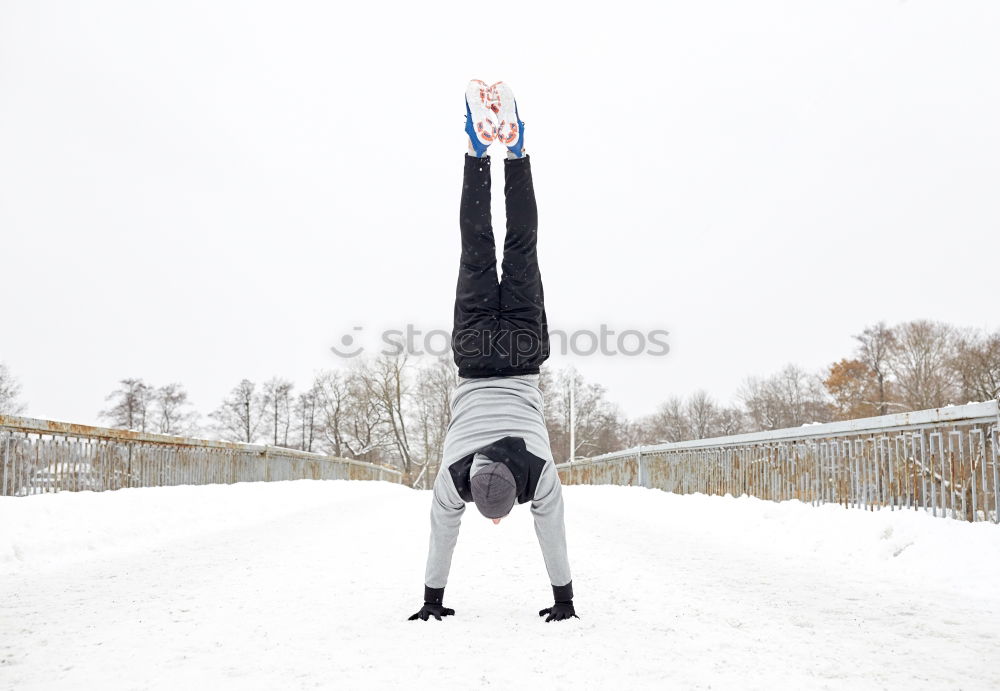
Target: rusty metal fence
38, 456
943, 461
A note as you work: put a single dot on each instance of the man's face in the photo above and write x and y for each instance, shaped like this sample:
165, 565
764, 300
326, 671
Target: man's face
496, 521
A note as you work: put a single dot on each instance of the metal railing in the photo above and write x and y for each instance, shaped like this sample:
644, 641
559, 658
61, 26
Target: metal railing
943, 461
38, 456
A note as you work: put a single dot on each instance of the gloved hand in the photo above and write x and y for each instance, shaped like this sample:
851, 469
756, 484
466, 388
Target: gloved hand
563, 608
432, 605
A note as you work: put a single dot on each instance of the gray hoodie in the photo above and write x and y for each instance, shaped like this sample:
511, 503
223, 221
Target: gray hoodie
484, 410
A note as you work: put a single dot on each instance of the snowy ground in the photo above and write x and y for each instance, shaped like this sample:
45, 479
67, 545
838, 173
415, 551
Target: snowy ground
308, 585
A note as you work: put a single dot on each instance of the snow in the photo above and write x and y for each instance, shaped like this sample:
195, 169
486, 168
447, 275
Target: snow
308, 585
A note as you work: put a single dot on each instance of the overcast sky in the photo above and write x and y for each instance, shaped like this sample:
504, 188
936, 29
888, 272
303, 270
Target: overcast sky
205, 191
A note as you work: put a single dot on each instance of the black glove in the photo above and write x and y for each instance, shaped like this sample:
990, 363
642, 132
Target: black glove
432, 605
563, 608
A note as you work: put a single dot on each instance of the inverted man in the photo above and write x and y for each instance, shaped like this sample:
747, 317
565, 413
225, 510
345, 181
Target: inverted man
496, 451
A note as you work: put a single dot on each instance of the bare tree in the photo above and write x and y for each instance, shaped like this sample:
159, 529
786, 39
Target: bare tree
350, 418
432, 411
731, 420
697, 418
702, 415
239, 416
764, 407
332, 394
789, 398
306, 413
598, 423
10, 392
131, 409
367, 431
277, 404
921, 362
387, 384
171, 411
977, 365
875, 344
669, 423
633, 432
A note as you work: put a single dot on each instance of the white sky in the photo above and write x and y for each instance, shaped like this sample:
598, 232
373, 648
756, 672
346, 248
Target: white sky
201, 192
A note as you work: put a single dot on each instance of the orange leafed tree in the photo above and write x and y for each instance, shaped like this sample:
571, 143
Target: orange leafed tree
853, 386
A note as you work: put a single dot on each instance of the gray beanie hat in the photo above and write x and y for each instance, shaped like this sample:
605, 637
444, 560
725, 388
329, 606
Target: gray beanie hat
494, 490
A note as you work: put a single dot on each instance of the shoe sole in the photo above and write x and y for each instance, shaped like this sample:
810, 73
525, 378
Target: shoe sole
508, 127
484, 119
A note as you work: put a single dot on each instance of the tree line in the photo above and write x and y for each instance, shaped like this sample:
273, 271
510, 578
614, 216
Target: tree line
394, 410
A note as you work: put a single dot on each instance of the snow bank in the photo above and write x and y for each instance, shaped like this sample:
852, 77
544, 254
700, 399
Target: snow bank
58, 528
947, 552
53, 529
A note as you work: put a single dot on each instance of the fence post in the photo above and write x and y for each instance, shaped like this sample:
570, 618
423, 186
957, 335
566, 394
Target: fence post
643, 476
6, 462
996, 472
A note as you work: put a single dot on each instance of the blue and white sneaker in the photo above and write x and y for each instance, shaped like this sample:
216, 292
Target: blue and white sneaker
480, 116
510, 129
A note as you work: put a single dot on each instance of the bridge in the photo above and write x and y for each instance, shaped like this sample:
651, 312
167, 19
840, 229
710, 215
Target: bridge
806, 558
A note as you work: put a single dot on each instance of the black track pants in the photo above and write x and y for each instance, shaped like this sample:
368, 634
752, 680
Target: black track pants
500, 327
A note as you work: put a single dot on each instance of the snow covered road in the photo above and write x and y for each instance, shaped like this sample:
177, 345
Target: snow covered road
308, 585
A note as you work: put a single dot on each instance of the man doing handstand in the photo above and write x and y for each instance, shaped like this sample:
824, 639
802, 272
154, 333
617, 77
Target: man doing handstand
496, 451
